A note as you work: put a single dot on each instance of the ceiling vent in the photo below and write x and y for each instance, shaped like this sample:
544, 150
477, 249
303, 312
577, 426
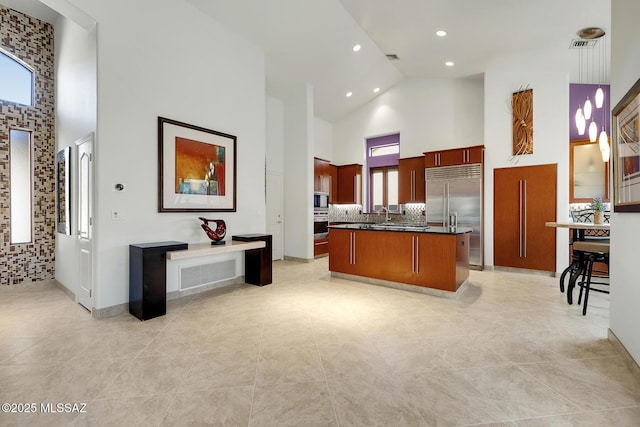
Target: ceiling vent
583, 44
392, 57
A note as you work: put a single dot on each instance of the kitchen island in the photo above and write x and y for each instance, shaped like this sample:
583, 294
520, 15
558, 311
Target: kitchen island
414, 257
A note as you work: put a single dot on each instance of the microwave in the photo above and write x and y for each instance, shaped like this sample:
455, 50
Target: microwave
320, 201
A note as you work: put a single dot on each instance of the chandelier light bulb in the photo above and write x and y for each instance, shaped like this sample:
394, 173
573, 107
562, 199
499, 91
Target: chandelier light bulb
581, 122
593, 131
605, 155
599, 97
587, 109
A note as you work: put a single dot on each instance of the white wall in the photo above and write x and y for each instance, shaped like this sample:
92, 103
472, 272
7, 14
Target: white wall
75, 70
298, 171
167, 59
274, 134
322, 139
625, 292
429, 114
550, 141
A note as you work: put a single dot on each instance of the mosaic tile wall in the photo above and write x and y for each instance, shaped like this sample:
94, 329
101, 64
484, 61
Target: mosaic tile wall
413, 213
31, 40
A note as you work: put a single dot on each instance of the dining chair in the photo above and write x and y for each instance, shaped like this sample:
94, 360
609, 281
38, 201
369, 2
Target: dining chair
590, 252
581, 216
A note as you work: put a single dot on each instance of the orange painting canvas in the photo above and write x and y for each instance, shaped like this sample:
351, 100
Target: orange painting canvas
200, 168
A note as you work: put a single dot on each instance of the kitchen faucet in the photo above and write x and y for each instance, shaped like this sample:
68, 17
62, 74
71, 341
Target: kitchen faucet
386, 212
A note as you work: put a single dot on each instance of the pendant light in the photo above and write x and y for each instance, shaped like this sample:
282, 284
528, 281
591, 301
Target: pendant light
593, 131
581, 122
599, 97
587, 108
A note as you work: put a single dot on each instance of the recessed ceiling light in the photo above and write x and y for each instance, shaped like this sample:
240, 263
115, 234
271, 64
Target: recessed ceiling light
349, 94
441, 33
356, 48
376, 90
449, 64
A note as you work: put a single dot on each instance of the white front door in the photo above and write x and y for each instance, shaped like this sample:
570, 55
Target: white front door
84, 250
274, 213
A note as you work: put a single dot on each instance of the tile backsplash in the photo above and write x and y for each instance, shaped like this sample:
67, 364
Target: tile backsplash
413, 212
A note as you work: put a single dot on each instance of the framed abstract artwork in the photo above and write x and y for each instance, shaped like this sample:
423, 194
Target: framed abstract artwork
197, 168
626, 152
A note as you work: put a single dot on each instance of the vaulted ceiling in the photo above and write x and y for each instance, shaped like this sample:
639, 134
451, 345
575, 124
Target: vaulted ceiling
312, 40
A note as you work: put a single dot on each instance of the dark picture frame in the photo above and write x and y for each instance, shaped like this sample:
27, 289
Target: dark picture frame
63, 191
626, 152
196, 168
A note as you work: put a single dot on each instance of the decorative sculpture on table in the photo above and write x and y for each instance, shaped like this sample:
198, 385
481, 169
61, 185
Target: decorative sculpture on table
216, 235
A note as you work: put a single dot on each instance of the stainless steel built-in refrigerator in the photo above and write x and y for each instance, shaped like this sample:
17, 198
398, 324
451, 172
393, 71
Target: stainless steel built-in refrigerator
457, 189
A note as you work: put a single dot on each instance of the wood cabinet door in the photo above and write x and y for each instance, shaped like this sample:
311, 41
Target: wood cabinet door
350, 184
524, 199
452, 157
475, 154
431, 159
333, 176
396, 256
435, 253
340, 242
411, 184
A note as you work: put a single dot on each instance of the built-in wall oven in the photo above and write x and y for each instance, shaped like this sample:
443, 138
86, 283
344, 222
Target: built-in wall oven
320, 225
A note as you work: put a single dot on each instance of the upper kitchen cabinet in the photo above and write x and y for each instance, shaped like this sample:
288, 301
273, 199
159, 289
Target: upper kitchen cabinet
322, 171
588, 174
350, 184
411, 187
524, 199
455, 156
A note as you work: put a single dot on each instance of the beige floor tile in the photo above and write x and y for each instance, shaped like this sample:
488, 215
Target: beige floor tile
132, 411
299, 404
150, 375
352, 360
516, 393
224, 407
584, 387
366, 403
289, 365
216, 370
310, 349
623, 417
445, 398
170, 342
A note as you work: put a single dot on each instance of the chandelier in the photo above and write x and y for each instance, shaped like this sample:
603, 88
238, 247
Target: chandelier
595, 72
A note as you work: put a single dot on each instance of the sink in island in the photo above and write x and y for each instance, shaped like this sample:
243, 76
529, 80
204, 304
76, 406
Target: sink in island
414, 257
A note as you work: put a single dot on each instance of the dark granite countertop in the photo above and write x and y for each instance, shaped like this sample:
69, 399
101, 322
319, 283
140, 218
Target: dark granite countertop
403, 228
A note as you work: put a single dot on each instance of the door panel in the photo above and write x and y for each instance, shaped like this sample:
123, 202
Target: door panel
84, 255
274, 213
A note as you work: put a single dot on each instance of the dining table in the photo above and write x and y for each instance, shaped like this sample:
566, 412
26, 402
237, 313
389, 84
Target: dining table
578, 231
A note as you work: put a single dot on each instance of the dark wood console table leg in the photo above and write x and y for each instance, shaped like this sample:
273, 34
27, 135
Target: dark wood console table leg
148, 278
257, 262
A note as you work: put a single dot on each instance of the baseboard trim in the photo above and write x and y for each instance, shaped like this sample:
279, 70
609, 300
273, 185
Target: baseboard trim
524, 270
402, 286
626, 357
116, 310
296, 259
68, 292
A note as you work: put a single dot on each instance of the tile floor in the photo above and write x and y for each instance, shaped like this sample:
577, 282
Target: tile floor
310, 350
